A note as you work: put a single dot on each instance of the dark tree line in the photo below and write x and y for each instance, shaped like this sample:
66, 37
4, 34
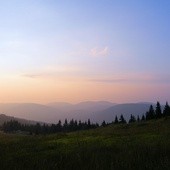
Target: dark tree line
152, 113
157, 113
73, 125
121, 120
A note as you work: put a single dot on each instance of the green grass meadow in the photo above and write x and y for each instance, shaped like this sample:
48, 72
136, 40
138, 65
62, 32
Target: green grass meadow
137, 146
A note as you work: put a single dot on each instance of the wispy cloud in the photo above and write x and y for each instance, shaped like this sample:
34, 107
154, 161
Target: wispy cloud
33, 76
108, 80
53, 72
134, 78
99, 52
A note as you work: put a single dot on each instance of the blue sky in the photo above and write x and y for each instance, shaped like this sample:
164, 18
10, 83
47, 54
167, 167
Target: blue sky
98, 41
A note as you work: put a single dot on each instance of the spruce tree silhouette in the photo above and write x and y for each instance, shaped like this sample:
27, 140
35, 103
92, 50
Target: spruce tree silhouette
132, 119
122, 119
65, 125
150, 114
158, 112
166, 111
103, 123
116, 120
143, 118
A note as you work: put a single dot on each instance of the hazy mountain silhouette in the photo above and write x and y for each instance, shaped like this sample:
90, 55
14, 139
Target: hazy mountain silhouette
125, 109
93, 106
4, 118
82, 110
31, 111
61, 105
52, 112
89, 106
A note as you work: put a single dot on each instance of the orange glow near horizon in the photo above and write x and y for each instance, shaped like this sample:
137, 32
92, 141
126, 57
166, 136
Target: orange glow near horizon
74, 51
44, 90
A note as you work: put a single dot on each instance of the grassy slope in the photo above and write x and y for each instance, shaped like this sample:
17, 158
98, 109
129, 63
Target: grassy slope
136, 146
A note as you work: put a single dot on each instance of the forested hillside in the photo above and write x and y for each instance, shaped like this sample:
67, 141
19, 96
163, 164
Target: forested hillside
138, 146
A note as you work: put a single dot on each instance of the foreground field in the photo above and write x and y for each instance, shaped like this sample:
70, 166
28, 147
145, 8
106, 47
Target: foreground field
137, 146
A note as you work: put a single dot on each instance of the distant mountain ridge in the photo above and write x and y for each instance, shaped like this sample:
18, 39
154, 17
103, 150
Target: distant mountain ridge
87, 105
53, 112
126, 109
97, 111
5, 118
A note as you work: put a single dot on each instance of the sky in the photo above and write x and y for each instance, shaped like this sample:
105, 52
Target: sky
75, 50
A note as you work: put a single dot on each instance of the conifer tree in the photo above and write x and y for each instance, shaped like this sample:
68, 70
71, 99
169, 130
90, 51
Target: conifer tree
80, 125
166, 111
75, 125
88, 123
150, 114
103, 123
122, 119
132, 119
59, 126
143, 118
116, 120
65, 125
158, 112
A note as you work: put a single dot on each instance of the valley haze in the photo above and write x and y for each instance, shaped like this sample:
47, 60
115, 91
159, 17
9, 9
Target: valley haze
96, 111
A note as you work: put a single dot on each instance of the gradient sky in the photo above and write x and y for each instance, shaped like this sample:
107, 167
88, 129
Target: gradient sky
77, 50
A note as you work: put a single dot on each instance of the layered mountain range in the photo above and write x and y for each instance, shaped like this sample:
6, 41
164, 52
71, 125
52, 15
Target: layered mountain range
53, 112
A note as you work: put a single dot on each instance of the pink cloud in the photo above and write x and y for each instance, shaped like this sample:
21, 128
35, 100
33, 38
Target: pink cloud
99, 52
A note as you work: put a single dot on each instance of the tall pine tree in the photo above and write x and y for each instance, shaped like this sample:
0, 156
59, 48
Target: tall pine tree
122, 119
166, 111
150, 114
116, 120
132, 119
158, 112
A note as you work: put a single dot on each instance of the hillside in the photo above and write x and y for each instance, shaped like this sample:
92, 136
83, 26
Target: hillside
4, 118
137, 146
